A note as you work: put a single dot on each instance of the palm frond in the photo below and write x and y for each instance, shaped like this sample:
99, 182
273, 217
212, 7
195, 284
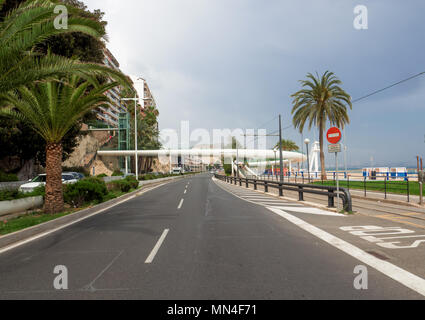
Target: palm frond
30, 24
53, 107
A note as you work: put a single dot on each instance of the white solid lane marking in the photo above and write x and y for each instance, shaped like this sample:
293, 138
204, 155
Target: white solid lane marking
158, 245
396, 273
180, 204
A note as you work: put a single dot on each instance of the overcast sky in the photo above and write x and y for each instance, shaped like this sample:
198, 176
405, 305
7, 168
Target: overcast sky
235, 63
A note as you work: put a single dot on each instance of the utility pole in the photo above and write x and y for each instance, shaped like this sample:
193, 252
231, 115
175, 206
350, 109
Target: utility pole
280, 148
307, 142
345, 161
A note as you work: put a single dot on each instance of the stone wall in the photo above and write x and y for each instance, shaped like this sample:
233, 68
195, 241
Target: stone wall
88, 146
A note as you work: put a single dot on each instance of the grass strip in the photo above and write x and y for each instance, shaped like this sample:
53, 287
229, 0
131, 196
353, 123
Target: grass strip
396, 187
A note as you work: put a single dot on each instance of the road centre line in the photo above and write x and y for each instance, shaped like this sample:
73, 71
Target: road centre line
180, 204
158, 245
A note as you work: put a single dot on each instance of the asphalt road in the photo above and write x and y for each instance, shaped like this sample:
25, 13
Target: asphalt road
211, 245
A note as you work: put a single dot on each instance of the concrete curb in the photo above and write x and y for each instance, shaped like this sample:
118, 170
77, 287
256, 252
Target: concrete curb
39, 230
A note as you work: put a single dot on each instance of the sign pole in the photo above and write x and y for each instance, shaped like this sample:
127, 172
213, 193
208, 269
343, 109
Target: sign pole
334, 136
337, 181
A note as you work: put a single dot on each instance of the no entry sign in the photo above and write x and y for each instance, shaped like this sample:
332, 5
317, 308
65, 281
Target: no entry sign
334, 135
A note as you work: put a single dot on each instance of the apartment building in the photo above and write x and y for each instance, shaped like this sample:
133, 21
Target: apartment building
110, 115
149, 99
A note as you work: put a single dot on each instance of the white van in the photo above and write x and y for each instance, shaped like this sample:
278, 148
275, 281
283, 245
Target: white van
177, 171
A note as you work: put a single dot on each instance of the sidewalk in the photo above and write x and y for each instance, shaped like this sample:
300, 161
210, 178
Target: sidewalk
413, 199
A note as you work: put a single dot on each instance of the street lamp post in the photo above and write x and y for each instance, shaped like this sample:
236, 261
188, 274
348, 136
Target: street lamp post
135, 99
307, 142
237, 160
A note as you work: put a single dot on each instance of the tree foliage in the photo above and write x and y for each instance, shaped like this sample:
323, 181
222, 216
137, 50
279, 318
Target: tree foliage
17, 135
53, 108
288, 145
321, 100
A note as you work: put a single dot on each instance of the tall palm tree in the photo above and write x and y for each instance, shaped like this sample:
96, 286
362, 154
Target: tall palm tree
31, 24
321, 100
52, 108
288, 145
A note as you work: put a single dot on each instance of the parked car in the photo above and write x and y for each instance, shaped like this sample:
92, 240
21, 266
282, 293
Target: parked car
178, 170
40, 180
77, 175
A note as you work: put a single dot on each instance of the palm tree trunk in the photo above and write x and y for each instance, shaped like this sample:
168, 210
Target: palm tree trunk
322, 153
54, 193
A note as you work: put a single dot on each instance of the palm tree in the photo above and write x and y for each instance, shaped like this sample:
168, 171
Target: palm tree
320, 101
52, 108
30, 25
287, 145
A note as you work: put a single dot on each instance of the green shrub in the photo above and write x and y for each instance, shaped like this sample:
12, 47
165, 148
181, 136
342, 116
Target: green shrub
117, 173
124, 185
113, 186
8, 195
39, 191
227, 169
148, 176
85, 191
103, 175
8, 177
133, 182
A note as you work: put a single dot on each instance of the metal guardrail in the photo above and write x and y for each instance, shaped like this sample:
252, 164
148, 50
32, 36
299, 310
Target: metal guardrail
329, 191
386, 185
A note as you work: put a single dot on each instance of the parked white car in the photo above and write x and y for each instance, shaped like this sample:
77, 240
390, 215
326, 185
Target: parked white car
41, 181
178, 170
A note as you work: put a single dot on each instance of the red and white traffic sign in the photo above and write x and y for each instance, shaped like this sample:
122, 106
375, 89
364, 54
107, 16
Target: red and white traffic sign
334, 135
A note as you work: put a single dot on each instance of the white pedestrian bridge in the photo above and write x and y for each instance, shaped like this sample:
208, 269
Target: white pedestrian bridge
205, 153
